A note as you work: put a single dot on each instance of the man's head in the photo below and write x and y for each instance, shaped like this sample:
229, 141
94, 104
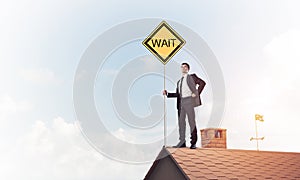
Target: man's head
185, 67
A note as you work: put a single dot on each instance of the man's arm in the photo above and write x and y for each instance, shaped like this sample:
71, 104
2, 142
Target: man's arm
200, 82
171, 95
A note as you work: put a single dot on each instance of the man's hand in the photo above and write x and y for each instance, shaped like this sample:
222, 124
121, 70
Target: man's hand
193, 95
164, 92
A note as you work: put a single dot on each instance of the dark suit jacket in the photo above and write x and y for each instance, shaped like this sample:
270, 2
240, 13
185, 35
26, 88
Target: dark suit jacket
192, 80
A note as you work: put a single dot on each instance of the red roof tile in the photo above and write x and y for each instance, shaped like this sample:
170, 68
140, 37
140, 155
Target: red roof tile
214, 163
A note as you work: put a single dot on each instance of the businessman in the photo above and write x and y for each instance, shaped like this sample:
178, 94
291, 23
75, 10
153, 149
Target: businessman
188, 97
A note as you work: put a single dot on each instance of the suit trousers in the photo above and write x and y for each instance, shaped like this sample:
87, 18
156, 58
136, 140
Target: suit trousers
187, 109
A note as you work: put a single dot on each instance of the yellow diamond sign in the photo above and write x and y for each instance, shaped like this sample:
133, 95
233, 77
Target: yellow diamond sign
164, 42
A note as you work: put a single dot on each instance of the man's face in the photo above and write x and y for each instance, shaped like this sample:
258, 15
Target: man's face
184, 69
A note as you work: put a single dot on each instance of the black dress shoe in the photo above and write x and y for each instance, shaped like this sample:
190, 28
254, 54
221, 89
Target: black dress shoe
180, 145
193, 146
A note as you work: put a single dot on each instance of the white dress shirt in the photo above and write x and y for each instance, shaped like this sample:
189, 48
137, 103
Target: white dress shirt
186, 91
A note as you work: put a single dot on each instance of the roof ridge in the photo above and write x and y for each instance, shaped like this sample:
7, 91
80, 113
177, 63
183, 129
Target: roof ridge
243, 150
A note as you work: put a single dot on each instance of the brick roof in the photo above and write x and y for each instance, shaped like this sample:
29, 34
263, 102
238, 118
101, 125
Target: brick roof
214, 163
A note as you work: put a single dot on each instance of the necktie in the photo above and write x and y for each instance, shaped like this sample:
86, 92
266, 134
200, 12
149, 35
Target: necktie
181, 86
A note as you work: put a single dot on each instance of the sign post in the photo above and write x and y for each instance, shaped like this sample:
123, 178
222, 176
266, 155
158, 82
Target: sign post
164, 42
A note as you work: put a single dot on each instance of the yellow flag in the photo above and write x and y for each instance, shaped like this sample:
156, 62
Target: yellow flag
259, 117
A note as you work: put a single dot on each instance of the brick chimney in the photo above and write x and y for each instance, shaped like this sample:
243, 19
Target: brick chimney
213, 138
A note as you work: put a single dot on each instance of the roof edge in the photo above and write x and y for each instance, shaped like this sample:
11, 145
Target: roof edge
247, 150
164, 153
176, 163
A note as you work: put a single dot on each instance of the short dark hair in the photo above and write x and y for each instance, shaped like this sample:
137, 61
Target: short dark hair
186, 65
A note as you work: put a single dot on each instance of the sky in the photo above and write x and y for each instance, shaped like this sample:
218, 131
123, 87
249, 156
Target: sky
42, 43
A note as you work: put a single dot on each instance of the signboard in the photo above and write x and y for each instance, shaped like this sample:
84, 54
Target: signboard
164, 42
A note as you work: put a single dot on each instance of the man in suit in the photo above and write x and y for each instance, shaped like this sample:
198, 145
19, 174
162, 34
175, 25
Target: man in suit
188, 97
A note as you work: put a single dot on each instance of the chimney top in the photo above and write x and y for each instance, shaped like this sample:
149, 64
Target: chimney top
213, 138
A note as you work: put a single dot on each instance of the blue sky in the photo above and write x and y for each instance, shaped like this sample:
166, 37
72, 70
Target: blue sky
41, 43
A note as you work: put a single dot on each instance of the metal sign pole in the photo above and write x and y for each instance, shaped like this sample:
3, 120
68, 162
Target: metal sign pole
165, 125
164, 42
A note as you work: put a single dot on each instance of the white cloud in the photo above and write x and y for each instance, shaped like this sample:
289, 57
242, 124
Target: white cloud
59, 151
284, 57
9, 106
123, 135
39, 75
283, 75
284, 47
